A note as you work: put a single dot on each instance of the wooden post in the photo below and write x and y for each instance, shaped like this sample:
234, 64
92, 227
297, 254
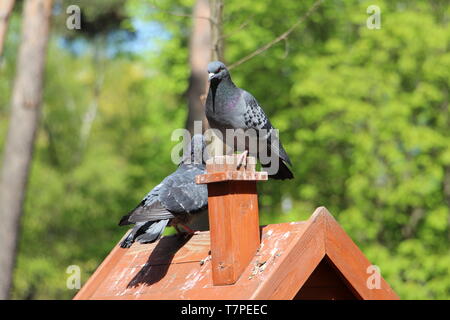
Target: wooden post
233, 215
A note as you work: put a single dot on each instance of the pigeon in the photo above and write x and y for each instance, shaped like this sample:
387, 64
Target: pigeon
173, 202
230, 107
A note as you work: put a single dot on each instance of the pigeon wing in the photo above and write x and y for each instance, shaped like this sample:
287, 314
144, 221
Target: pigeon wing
150, 209
180, 194
255, 118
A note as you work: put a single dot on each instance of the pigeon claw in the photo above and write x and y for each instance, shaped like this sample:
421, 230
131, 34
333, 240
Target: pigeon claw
189, 230
126, 244
242, 159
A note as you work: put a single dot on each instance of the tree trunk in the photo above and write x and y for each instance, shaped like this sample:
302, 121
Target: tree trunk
216, 147
91, 112
6, 7
206, 44
216, 30
25, 112
199, 56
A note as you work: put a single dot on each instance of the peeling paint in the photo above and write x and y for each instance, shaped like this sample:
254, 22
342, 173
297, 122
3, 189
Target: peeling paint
286, 235
258, 268
261, 246
189, 271
191, 274
191, 283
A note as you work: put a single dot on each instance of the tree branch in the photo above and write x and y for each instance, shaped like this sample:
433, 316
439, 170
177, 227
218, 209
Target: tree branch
240, 28
186, 15
282, 36
216, 9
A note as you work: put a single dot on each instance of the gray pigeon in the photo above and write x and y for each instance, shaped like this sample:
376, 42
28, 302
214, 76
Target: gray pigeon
229, 107
173, 202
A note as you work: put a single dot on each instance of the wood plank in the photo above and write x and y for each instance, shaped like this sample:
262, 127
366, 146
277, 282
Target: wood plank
102, 273
233, 216
234, 228
171, 249
287, 261
132, 278
302, 256
231, 176
351, 262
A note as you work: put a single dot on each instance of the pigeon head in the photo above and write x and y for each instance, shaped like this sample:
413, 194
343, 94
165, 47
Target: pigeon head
196, 152
217, 71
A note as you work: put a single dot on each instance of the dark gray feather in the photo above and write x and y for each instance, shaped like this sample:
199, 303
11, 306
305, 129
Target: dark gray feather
229, 107
180, 193
174, 199
153, 232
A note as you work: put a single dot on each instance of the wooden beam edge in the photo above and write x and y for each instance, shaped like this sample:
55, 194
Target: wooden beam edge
346, 254
99, 275
231, 176
288, 277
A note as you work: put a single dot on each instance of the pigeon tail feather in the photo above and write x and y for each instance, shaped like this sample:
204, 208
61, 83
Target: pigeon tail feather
124, 220
153, 232
149, 232
283, 172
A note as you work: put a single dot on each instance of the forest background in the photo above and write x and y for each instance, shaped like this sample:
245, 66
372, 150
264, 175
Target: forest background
363, 113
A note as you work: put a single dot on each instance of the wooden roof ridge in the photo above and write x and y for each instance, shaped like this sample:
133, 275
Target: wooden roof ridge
323, 237
288, 255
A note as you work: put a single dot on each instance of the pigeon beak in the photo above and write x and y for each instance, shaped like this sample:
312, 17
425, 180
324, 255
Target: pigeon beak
210, 76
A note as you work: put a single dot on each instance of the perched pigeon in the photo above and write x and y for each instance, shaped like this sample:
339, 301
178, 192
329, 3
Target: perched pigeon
173, 202
229, 107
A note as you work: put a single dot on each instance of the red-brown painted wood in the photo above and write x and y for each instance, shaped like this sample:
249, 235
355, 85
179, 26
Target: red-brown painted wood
233, 216
288, 264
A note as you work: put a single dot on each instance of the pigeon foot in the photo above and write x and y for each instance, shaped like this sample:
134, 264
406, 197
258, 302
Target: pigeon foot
242, 159
126, 243
189, 232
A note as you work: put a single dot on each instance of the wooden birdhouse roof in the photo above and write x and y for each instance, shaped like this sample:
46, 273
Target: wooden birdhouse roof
313, 259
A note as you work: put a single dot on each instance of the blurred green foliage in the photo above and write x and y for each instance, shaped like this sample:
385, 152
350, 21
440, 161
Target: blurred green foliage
363, 114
